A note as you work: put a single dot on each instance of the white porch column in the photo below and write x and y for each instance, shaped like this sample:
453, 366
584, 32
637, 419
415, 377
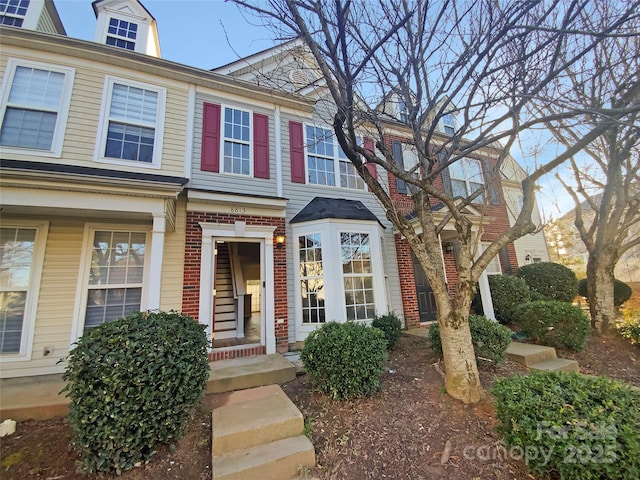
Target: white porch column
485, 293
206, 283
154, 285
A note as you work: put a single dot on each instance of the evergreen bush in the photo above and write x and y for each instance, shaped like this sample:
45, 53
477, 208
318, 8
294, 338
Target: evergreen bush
621, 291
550, 281
391, 327
133, 383
507, 292
345, 360
570, 426
490, 339
630, 328
553, 323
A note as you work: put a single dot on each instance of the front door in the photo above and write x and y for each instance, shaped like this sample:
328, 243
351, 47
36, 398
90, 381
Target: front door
424, 293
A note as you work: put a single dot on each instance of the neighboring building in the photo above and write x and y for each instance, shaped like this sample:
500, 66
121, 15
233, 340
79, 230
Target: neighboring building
531, 248
572, 252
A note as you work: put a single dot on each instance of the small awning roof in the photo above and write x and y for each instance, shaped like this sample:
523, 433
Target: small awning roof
323, 208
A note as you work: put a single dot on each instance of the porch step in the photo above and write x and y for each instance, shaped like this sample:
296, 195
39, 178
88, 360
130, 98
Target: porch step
254, 417
556, 365
249, 372
528, 354
279, 460
23, 399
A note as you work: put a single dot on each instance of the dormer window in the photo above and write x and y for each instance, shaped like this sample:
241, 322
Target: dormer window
12, 12
403, 112
122, 34
448, 123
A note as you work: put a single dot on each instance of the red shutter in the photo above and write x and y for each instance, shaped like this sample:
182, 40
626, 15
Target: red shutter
210, 156
260, 145
296, 148
368, 145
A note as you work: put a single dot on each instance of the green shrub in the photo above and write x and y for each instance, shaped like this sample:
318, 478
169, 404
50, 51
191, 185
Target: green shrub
550, 280
630, 328
553, 323
490, 339
133, 383
345, 360
570, 426
391, 327
507, 292
621, 291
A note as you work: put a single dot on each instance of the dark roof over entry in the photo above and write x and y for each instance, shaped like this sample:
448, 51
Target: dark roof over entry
322, 208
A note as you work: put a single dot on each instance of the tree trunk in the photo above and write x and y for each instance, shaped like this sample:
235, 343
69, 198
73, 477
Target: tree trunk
600, 284
462, 379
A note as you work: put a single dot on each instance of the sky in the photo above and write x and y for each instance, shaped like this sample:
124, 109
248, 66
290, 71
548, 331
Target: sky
199, 33
211, 33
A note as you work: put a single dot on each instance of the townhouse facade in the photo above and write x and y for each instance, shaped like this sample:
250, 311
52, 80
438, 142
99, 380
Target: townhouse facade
129, 182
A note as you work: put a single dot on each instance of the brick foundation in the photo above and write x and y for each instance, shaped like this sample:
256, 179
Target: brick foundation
236, 352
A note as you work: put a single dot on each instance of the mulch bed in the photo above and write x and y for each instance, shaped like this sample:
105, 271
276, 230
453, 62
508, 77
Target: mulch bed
400, 433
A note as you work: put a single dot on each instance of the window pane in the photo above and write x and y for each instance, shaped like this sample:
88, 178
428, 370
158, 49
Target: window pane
130, 142
311, 278
12, 307
357, 276
16, 255
36, 88
28, 129
134, 104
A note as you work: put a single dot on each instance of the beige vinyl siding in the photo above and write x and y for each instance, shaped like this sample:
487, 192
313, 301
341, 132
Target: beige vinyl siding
299, 195
54, 316
84, 113
223, 182
173, 262
45, 24
59, 283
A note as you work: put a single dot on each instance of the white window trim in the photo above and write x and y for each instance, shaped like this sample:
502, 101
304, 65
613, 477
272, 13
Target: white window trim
330, 231
336, 161
128, 20
103, 125
63, 106
82, 290
483, 246
223, 107
33, 292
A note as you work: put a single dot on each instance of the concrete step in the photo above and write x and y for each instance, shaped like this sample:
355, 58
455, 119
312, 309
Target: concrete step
528, 354
279, 460
21, 399
249, 372
556, 365
253, 417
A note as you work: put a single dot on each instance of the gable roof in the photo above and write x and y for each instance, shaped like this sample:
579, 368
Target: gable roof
321, 208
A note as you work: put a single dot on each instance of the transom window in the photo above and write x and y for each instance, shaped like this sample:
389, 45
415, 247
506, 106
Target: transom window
324, 155
16, 259
35, 106
115, 276
122, 34
466, 177
237, 143
357, 276
133, 121
12, 12
311, 278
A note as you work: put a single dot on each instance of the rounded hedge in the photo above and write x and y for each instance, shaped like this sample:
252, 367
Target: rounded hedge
552, 323
345, 360
507, 292
133, 383
391, 327
490, 339
550, 281
571, 426
621, 291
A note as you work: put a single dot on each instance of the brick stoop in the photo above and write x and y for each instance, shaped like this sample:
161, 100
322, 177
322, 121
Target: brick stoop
538, 357
257, 434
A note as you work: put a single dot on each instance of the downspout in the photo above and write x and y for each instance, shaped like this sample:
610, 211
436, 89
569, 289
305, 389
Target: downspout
278, 145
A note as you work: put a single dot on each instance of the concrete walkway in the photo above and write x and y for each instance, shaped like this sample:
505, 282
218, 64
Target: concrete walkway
23, 399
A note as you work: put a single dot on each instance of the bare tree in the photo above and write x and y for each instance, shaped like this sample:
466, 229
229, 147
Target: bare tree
482, 61
605, 183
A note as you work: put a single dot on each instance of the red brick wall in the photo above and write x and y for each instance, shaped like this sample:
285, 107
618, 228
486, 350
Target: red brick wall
192, 259
498, 224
